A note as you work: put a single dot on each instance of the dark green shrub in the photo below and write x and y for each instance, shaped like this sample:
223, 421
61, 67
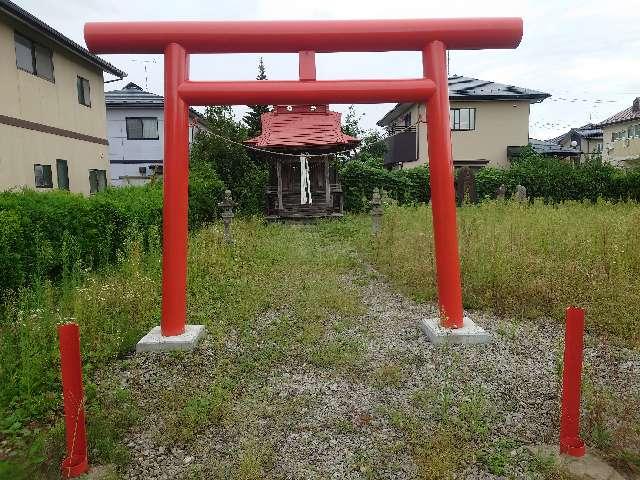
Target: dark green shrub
220, 152
548, 178
52, 234
488, 180
360, 178
205, 191
45, 235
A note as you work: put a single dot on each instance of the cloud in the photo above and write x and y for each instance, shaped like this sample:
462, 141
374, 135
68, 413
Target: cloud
584, 52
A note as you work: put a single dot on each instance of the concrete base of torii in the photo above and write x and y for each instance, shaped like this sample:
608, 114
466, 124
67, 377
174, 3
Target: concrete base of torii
155, 342
587, 467
469, 334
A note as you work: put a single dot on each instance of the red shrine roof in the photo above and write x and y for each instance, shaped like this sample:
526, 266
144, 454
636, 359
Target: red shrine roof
302, 126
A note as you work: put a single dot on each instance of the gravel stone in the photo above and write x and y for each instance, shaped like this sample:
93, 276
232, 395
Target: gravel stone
331, 423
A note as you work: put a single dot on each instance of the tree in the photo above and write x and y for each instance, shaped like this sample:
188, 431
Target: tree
351, 122
221, 152
372, 146
252, 117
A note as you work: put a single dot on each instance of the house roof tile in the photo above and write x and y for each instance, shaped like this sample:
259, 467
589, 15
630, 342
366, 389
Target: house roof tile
303, 126
631, 113
590, 130
467, 88
133, 96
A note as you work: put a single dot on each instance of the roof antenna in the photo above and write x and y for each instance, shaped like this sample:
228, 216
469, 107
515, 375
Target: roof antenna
146, 74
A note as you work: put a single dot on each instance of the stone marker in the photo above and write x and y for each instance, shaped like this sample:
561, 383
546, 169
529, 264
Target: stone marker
466, 186
376, 212
521, 194
227, 215
501, 192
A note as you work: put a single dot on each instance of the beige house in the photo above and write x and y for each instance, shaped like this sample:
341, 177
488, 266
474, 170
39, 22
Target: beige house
621, 137
53, 124
486, 118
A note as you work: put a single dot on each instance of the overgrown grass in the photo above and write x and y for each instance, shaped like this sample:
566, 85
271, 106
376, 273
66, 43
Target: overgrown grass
527, 261
293, 272
279, 295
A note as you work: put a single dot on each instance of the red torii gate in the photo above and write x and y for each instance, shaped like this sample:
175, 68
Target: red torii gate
176, 40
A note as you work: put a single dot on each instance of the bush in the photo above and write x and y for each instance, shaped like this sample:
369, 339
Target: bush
557, 181
220, 153
548, 178
360, 178
48, 235
205, 191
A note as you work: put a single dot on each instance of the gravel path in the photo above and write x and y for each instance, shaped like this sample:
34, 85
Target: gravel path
303, 421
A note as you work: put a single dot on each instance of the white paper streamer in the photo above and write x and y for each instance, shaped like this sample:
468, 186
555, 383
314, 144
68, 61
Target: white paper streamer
305, 182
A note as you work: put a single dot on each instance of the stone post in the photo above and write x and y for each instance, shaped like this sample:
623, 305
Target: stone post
501, 192
521, 194
376, 212
227, 215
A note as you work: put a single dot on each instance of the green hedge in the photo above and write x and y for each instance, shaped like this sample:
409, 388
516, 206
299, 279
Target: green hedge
557, 181
47, 234
548, 178
43, 235
360, 178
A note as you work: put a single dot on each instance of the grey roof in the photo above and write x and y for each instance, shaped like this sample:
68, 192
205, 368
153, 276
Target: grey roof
590, 130
133, 96
548, 147
467, 88
24, 17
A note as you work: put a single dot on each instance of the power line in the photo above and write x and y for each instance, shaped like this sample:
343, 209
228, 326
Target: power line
273, 152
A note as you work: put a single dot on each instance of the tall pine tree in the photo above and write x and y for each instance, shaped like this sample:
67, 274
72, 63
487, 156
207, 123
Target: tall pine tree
252, 117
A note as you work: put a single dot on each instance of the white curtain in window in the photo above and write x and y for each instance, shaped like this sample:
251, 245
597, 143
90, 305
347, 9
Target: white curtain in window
150, 128
305, 182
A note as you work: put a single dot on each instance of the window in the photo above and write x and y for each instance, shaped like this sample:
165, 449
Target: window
33, 57
97, 180
43, 176
620, 135
24, 53
62, 169
142, 128
462, 118
84, 91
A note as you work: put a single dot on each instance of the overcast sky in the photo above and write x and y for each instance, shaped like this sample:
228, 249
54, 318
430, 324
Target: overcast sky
583, 52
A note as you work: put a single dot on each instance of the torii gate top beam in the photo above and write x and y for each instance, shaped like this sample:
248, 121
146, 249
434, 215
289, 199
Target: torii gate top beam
294, 36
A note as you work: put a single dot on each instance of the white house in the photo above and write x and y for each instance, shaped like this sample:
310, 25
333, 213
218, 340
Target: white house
135, 130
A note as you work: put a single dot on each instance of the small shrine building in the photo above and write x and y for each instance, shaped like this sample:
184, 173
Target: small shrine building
300, 144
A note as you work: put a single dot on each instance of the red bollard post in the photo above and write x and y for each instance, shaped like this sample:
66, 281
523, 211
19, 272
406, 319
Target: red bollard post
76, 462
570, 441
